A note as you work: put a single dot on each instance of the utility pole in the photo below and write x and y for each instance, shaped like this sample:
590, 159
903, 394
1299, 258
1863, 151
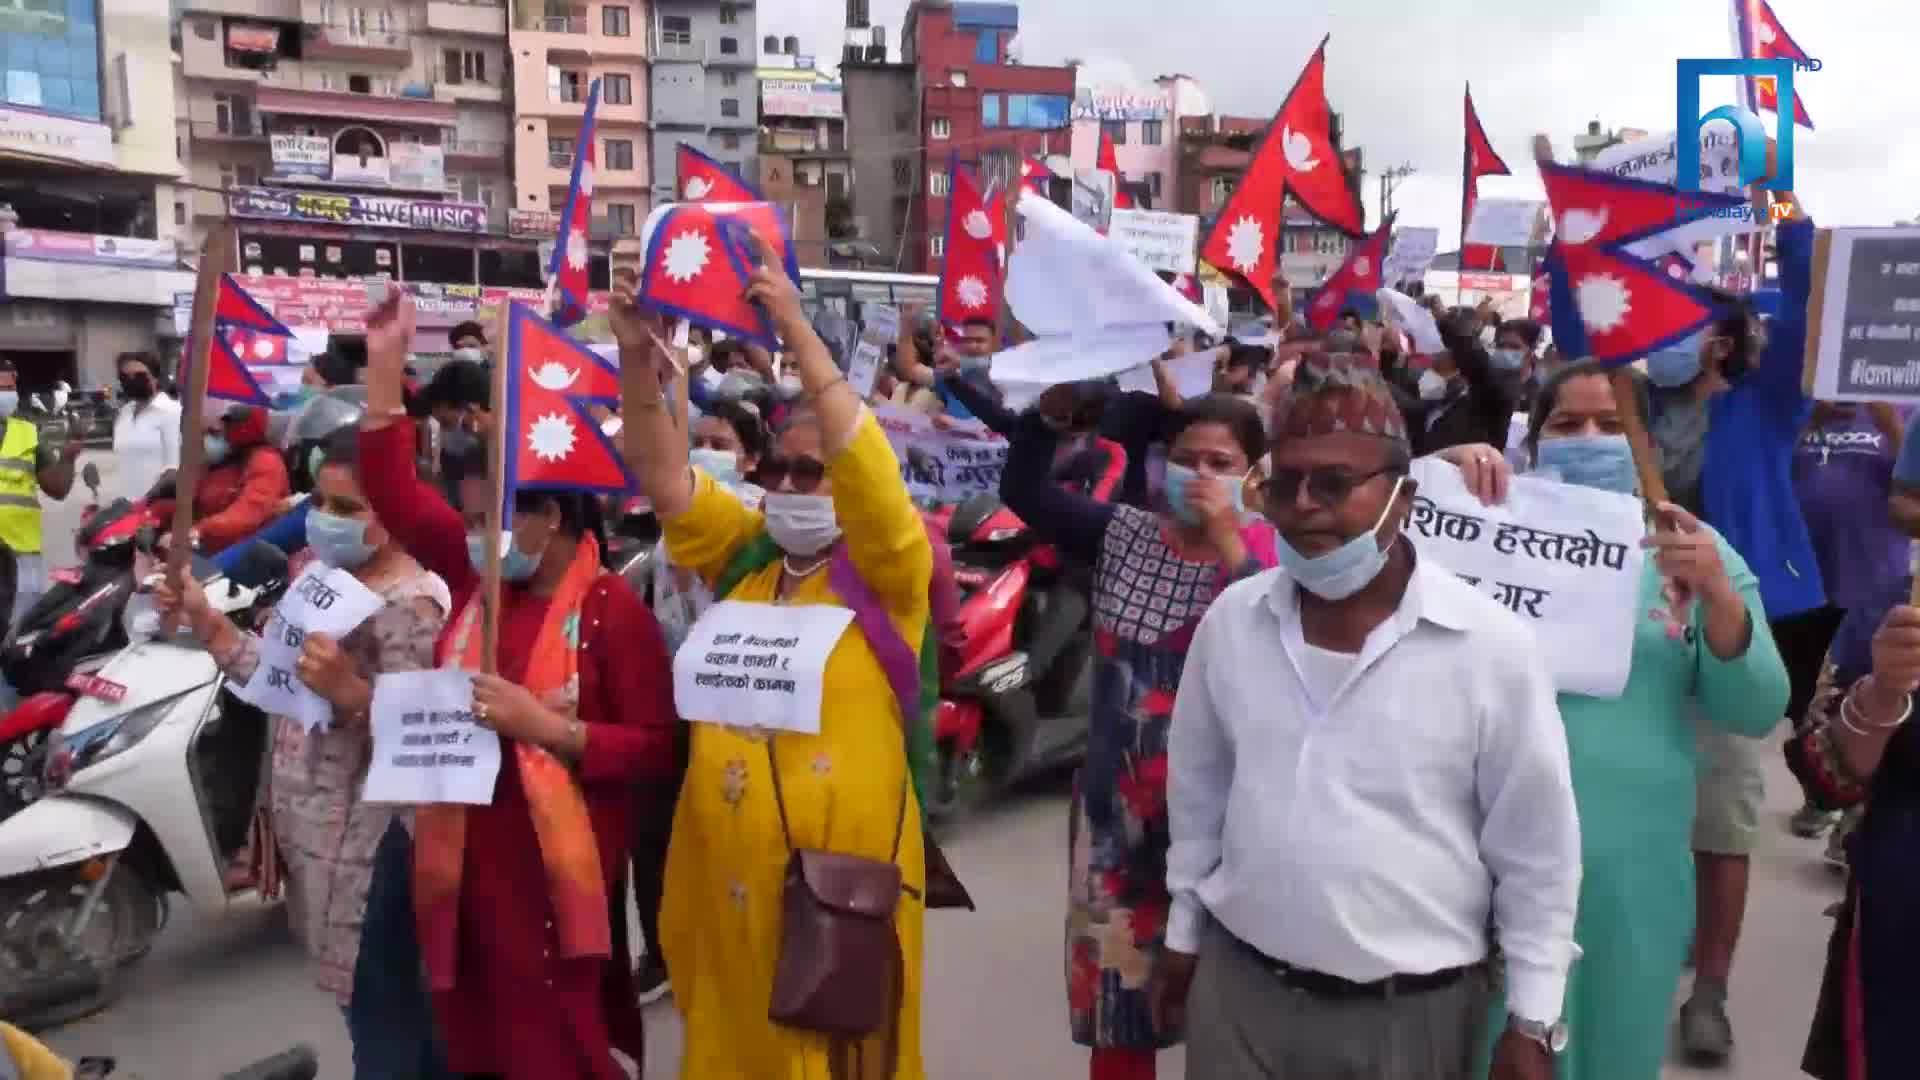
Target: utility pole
1389, 180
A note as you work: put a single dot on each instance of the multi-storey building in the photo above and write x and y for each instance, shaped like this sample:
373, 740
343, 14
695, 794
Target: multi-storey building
352, 141
1144, 124
804, 164
558, 50
977, 108
882, 104
88, 257
704, 90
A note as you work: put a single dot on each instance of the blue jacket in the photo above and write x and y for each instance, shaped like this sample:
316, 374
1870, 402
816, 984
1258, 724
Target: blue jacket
1746, 479
288, 532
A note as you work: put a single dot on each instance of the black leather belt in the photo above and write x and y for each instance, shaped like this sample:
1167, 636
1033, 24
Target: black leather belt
1321, 984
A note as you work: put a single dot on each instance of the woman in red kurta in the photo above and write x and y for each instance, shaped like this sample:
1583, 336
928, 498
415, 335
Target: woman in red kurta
516, 993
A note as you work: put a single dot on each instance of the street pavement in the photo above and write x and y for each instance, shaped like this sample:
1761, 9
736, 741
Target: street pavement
219, 991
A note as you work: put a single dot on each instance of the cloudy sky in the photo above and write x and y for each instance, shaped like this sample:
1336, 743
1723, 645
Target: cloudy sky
1396, 67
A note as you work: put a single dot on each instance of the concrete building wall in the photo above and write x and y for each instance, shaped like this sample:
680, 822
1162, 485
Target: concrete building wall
882, 115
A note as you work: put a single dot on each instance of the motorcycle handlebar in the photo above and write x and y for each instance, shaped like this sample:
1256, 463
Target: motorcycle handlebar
299, 1063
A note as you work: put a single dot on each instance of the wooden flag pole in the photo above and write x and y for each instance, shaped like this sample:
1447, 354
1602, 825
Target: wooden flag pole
497, 497
216, 258
1006, 325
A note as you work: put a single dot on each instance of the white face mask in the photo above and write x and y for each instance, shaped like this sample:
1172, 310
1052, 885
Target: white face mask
1433, 385
802, 525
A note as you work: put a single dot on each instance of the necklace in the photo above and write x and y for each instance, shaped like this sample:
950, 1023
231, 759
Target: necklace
787, 562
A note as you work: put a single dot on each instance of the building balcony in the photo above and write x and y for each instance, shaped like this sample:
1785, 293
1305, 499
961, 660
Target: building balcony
480, 18
463, 89
693, 52
335, 42
201, 58
475, 151
275, 10
541, 22
337, 105
214, 131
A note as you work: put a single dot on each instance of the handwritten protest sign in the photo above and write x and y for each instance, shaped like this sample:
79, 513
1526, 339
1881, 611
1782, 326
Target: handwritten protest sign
1864, 343
757, 665
881, 329
1565, 559
1161, 240
426, 746
945, 466
323, 600
1503, 222
1411, 254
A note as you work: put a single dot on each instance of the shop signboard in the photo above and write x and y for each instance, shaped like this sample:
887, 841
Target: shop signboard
358, 211
421, 166
301, 155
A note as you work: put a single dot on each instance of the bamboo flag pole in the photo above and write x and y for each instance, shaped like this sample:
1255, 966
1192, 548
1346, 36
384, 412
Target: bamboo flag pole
497, 492
216, 258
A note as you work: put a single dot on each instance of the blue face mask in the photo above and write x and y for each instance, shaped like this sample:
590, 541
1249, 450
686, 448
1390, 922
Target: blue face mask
338, 541
1595, 461
217, 449
1507, 359
1179, 478
1346, 569
1676, 365
722, 465
9, 403
515, 565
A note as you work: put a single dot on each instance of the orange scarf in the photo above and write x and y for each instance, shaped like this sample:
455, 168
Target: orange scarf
560, 822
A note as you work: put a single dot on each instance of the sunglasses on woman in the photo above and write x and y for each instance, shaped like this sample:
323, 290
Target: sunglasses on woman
798, 474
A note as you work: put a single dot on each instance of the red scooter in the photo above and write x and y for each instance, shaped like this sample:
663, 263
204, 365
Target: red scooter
73, 628
999, 719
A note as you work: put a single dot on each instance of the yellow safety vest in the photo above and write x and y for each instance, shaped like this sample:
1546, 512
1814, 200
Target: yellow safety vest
20, 488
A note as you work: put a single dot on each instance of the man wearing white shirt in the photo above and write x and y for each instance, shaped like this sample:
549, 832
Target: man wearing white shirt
1367, 772
146, 430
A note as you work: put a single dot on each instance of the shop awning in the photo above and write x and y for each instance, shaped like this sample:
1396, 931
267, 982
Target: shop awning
252, 37
347, 106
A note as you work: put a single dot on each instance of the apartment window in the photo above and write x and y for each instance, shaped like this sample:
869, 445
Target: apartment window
238, 175
729, 140
473, 189
1037, 111
357, 21
565, 86
1151, 132
990, 110
986, 48
1115, 130
619, 89
233, 115
620, 217
729, 14
619, 153
559, 152
463, 66
179, 213
729, 78
941, 128
937, 246
938, 183
1222, 190
770, 44
956, 77
676, 29
729, 46
902, 173
1153, 185
616, 21
360, 84
729, 106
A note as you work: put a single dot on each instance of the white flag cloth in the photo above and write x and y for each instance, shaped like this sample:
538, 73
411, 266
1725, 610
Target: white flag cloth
1409, 315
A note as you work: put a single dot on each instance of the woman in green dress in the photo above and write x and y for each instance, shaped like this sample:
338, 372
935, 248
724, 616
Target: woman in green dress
1701, 653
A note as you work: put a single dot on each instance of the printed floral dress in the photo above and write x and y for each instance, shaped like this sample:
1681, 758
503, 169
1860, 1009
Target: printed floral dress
1147, 601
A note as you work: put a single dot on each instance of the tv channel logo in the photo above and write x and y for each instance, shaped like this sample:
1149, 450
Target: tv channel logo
1748, 130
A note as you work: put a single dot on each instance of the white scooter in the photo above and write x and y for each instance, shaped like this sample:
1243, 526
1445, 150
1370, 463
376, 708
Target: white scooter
151, 783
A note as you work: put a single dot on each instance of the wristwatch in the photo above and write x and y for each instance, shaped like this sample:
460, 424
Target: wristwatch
1553, 1036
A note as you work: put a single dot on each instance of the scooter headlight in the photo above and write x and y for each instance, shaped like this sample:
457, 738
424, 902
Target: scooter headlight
90, 746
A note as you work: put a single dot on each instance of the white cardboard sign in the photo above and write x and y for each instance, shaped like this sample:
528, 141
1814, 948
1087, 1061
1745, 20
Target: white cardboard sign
322, 600
426, 746
758, 666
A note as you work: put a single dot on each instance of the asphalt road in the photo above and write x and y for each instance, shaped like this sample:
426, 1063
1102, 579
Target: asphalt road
218, 992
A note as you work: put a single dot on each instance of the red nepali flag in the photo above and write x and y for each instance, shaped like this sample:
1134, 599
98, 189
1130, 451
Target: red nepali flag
1296, 157
1623, 307
699, 257
1360, 273
1539, 301
236, 313
970, 273
567, 273
553, 440
1478, 160
1759, 36
1034, 175
1109, 163
702, 179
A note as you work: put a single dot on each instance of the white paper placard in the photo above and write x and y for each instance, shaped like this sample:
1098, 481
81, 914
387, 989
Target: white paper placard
426, 746
1161, 240
758, 665
1566, 559
1411, 254
1503, 222
881, 329
322, 600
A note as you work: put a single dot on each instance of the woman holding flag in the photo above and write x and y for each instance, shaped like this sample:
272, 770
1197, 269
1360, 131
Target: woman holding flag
836, 530
511, 898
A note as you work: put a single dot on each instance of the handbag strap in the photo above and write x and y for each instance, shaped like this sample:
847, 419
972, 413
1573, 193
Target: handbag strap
780, 804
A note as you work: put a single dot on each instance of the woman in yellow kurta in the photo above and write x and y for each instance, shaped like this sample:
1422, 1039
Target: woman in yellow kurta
833, 480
